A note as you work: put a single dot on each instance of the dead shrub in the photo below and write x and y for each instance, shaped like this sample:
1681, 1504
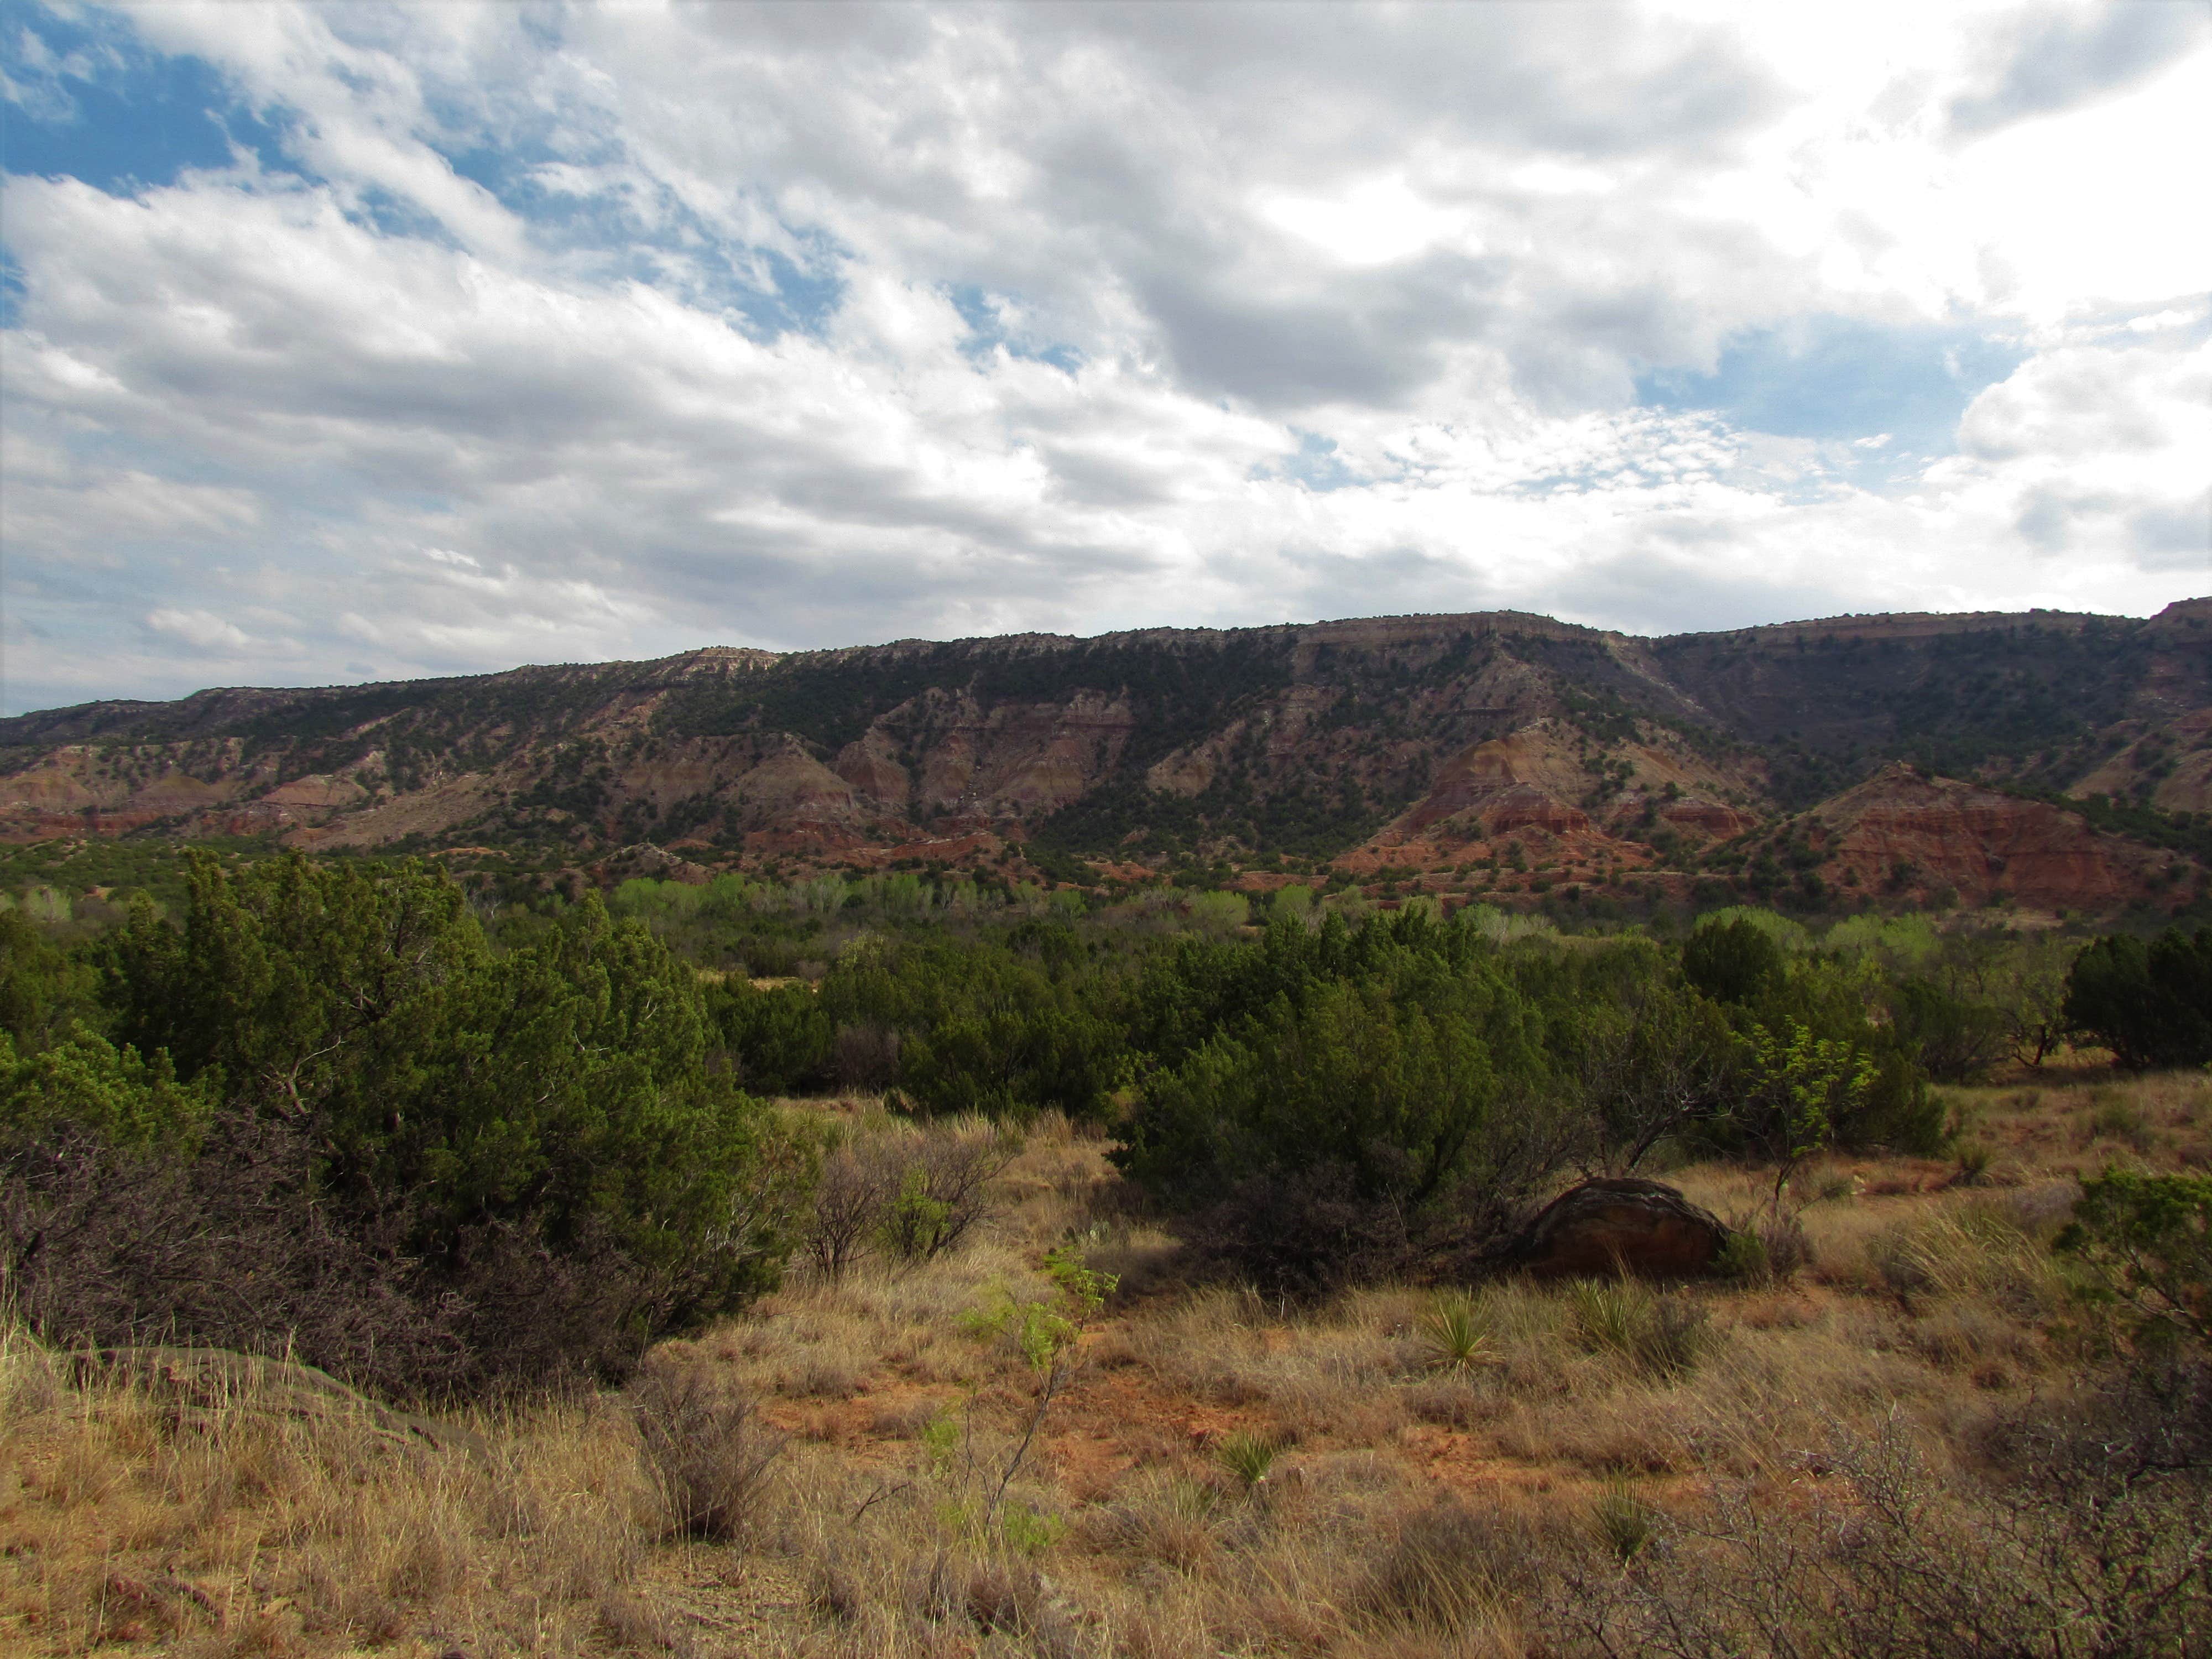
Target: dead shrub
858, 1180
633, 1625
997, 1596
533, 1316
708, 1454
110, 1249
1011, 1598
1965, 1335
1452, 1402
917, 1193
1789, 1248
832, 1592
2085, 1535
864, 1057
237, 1248
1167, 1520
1303, 1233
944, 1188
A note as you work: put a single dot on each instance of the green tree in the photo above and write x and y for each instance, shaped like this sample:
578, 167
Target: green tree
1801, 1086
1953, 1037
2149, 1003
1731, 961
86, 1083
1653, 1060
559, 1094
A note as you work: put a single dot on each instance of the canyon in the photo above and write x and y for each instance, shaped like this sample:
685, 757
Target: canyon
2059, 761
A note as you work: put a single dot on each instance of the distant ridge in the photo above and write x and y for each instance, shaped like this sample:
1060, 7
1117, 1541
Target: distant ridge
1423, 743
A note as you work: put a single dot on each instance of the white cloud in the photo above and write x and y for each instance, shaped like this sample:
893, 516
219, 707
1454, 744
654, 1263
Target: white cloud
200, 629
605, 330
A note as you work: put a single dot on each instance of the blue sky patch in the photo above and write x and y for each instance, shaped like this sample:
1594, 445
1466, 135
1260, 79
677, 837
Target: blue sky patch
91, 102
767, 291
987, 331
1317, 466
1840, 379
11, 289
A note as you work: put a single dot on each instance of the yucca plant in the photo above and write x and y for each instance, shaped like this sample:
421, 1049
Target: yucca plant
1457, 1333
1664, 1335
1248, 1455
1613, 1315
1625, 1521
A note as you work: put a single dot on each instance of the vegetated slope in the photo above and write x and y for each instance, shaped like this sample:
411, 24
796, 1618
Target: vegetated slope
1416, 743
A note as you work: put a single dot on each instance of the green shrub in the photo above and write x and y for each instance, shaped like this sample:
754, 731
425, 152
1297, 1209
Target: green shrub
44, 991
1625, 1522
1661, 1334
779, 1040
541, 1122
84, 1083
1330, 1136
1742, 1257
2148, 1238
2113, 1119
2149, 1003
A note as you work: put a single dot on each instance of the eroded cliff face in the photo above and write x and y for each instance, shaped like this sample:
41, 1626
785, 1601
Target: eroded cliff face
1903, 830
1418, 743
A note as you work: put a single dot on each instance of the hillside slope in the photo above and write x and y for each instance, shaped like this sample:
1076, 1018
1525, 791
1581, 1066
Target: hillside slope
1498, 741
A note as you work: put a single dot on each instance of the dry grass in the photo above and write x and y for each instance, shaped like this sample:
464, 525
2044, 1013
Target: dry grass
1222, 1474
247, 1528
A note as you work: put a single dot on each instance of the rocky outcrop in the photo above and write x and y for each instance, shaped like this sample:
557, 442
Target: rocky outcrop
1903, 830
872, 765
2170, 766
1710, 818
1607, 1226
317, 793
792, 787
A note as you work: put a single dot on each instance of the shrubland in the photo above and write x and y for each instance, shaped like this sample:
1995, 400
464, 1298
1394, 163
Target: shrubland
390, 1270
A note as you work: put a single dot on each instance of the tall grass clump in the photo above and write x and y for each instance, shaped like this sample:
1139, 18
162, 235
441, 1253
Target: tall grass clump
708, 1455
1664, 1334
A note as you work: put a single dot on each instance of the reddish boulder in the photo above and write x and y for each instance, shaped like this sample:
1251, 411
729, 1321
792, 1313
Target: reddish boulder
1607, 1226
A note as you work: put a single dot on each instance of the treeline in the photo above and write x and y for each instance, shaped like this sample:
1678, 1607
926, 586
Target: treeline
1320, 1095
440, 1145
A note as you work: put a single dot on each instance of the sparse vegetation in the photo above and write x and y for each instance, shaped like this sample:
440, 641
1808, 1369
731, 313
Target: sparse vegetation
1145, 1304
814, 1475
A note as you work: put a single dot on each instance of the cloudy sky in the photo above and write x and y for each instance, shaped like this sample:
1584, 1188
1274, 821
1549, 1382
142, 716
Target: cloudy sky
349, 342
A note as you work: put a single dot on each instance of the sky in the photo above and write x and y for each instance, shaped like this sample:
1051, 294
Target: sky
354, 341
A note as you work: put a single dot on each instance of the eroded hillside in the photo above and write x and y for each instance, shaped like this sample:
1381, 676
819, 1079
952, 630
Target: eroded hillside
1523, 751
